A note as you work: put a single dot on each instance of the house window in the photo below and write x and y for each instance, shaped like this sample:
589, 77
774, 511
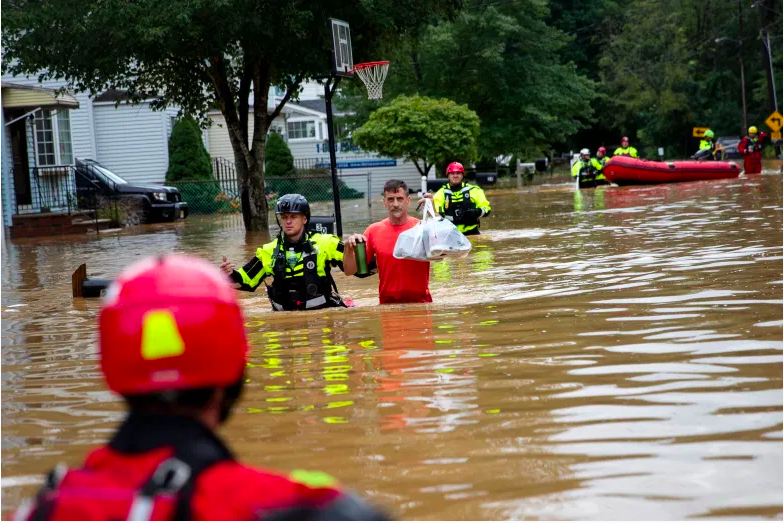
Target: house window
280, 91
65, 145
301, 130
277, 129
44, 138
53, 148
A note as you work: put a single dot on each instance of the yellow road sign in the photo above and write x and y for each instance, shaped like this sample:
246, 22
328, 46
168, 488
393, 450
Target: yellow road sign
776, 135
774, 121
699, 132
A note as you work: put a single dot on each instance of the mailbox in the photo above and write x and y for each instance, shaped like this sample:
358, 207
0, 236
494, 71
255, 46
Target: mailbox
486, 178
322, 224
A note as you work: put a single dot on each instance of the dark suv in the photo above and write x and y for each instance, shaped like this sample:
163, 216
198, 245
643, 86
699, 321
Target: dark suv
157, 202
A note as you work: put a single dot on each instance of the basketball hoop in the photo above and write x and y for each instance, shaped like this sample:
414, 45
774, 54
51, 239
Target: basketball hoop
372, 75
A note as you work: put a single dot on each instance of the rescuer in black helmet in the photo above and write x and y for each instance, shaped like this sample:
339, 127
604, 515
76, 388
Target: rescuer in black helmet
299, 261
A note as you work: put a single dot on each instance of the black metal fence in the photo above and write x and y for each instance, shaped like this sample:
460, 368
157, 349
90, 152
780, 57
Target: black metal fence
223, 195
64, 189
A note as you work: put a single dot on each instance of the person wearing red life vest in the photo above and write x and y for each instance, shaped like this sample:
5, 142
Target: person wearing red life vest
751, 149
172, 343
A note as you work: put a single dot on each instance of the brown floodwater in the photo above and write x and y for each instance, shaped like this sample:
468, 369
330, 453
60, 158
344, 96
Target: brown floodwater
609, 354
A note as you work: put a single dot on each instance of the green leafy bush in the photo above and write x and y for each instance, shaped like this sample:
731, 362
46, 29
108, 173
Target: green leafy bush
188, 159
278, 160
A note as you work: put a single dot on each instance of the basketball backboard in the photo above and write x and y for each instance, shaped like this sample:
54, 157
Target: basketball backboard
343, 59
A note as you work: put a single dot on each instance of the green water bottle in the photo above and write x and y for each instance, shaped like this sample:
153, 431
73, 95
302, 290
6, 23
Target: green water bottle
360, 255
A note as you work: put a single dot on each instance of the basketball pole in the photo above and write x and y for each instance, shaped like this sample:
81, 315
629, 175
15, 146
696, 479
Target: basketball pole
333, 163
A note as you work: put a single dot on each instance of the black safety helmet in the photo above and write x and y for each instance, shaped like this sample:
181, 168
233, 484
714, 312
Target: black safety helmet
293, 203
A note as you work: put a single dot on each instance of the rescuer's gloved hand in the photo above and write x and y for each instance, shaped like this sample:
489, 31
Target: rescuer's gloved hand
472, 215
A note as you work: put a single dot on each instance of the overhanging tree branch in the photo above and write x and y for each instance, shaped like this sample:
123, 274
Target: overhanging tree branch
289, 93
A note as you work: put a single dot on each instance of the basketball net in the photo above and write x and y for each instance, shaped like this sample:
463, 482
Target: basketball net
373, 75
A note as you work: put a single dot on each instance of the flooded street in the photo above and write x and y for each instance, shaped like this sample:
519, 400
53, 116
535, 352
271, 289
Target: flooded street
609, 354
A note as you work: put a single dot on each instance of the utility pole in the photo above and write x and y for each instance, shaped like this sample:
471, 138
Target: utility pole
765, 8
742, 69
771, 81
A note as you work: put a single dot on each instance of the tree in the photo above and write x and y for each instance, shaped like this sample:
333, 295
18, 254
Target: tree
503, 61
279, 161
188, 159
661, 71
422, 130
201, 54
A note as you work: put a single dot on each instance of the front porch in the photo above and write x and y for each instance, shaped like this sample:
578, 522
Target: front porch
38, 175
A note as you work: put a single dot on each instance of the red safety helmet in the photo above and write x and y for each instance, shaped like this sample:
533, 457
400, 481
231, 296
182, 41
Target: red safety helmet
455, 167
601, 150
171, 323
625, 139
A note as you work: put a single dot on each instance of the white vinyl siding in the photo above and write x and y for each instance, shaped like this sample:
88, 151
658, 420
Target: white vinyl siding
7, 163
218, 143
132, 141
81, 127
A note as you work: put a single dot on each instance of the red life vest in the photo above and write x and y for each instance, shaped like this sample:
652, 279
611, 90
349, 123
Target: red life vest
751, 149
193, 477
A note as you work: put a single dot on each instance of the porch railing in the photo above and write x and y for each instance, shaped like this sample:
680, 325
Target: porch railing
53, 189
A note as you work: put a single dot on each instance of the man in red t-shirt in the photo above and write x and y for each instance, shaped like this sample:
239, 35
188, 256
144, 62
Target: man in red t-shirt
399, 281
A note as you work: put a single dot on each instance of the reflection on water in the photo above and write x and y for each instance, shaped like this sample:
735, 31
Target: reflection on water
614, 353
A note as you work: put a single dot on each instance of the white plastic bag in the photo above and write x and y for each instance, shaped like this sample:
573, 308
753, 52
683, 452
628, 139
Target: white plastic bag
432, 239
410, 245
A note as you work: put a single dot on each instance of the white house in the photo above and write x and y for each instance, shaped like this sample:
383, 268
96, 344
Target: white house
304, 126
37, 148
132, 141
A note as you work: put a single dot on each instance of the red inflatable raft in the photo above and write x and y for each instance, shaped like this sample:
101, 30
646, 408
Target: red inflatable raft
624, 170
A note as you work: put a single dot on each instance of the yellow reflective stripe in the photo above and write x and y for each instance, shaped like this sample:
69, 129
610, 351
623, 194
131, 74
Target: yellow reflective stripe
160, 336
263, 255
313, 478
439, 200
466, 228
330, 247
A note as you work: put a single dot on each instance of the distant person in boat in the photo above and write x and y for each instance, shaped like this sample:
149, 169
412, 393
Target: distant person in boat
461, 203
598, 163
709, 149
584, 170
298, 260
751, 149
625, 149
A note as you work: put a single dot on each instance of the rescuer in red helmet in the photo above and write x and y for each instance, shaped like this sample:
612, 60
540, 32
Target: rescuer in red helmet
625, 149
172, 343
599, 162
461, 203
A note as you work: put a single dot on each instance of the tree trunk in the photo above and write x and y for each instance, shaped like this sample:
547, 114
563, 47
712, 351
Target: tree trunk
250, 176
249, 157
258, 211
